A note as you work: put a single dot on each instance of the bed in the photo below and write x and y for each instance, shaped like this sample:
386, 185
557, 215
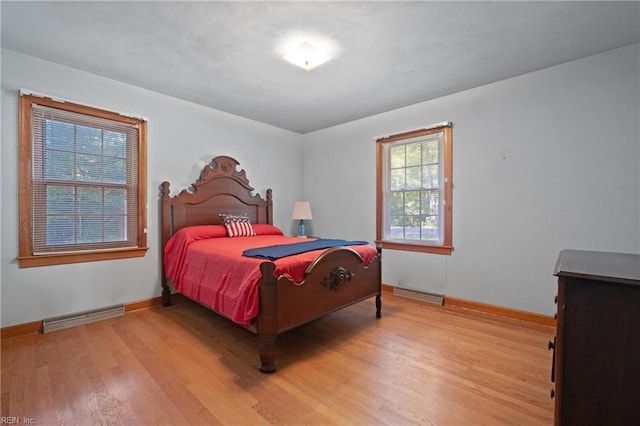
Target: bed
330, 279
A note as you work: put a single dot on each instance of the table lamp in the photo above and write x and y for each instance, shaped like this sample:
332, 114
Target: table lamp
302, 212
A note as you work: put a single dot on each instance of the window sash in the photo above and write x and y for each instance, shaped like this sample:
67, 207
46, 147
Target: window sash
414, 217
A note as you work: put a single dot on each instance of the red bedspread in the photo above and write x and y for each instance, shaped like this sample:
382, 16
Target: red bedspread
206, 265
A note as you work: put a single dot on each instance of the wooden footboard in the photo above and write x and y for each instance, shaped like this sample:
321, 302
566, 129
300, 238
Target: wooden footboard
336, 279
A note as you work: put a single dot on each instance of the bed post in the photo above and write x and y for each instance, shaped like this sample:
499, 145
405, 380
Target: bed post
267, 318
269, 207
165, 223
379, 295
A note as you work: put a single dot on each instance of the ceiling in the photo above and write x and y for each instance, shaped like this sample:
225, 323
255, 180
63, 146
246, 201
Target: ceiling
226, 55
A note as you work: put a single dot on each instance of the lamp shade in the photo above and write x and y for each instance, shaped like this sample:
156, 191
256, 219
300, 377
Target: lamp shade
302, 211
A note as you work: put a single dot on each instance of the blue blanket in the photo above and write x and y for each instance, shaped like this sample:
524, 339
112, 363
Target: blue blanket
284, 250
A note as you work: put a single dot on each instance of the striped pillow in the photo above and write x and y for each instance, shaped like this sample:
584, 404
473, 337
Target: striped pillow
237, 226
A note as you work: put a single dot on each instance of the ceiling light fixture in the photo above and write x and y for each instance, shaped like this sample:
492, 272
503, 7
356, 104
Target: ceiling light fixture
306, 56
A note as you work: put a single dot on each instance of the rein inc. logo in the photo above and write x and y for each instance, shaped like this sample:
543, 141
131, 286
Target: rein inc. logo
14, 420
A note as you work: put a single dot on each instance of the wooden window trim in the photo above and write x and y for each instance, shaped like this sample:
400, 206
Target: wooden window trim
26, 258
446, 247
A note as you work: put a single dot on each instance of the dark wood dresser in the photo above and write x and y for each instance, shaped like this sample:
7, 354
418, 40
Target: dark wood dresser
596, 362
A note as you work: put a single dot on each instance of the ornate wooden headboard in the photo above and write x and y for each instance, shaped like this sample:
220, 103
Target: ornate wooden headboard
221, 188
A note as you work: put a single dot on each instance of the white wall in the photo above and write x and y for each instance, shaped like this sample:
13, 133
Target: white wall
182, 138
544, 161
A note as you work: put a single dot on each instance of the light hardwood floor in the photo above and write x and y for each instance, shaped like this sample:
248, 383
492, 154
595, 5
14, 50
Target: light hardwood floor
419, 364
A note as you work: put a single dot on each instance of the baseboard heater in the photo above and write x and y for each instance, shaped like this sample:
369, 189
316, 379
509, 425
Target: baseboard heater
435, 299
81, 318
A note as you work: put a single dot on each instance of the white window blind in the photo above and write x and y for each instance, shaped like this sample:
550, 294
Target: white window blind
85, 182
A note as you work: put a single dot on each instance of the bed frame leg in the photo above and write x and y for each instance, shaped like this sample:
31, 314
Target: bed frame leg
379, 295
166, 295
268, 353
267, 317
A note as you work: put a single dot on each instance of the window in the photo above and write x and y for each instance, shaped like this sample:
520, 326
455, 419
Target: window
414, 190
82, 183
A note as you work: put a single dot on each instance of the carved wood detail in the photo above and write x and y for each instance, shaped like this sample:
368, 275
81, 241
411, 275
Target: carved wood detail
337, 278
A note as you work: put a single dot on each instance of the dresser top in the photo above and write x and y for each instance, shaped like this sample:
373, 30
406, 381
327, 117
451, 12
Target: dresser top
601, 266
